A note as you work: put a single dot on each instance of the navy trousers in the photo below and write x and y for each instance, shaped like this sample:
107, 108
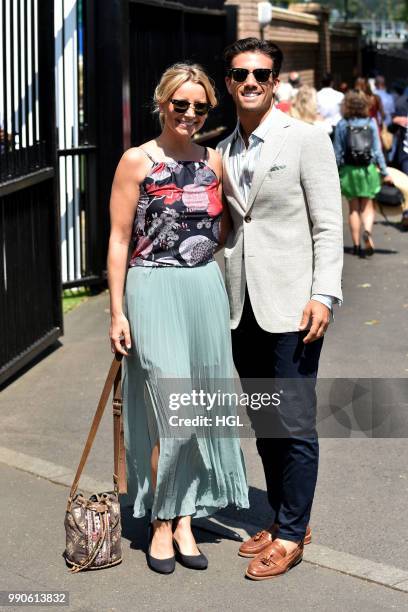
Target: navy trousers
290, 462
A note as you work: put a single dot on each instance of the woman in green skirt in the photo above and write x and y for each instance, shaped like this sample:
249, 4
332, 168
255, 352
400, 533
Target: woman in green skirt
173, 324
361, 162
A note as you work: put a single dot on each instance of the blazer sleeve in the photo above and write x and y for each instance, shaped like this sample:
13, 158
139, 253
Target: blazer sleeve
320, 181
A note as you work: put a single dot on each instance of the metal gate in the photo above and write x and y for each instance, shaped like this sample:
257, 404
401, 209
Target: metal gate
170, 32
76, 112
58, 155
30, 291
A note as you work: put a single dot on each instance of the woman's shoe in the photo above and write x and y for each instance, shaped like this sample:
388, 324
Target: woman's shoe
197, 562
162, 566
356, 249
369, 244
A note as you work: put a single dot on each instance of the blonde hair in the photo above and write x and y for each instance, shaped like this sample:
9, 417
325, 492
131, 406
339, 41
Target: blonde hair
304, 106
174, 77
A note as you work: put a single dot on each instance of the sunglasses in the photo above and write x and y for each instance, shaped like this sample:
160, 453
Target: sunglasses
241, 74
182, 106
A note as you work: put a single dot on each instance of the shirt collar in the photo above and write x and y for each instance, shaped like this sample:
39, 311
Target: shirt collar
260, 132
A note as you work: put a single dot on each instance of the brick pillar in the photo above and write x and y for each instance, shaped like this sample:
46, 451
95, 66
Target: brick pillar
323, 13
247, 17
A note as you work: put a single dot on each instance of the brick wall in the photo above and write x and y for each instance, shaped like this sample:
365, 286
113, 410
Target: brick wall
308, 44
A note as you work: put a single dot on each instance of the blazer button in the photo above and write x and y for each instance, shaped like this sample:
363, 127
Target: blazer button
248, 219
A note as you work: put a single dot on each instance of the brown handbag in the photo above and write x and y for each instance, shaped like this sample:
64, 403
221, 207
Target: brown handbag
93, 524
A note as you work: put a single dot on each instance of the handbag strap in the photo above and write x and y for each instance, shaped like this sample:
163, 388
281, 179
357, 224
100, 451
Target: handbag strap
119, 477
119, 452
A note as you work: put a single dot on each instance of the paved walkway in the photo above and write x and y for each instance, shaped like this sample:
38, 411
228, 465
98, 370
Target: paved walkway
358, 559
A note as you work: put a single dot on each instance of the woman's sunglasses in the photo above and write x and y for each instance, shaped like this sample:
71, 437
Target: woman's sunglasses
182, 106
241, 74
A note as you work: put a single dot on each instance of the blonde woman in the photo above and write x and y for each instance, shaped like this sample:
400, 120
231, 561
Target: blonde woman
304, 107
174, 325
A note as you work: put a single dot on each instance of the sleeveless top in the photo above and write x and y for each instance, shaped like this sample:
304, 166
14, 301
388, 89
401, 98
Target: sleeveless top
177, 221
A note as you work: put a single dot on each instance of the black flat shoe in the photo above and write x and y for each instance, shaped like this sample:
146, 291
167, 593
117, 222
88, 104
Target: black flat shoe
197, 562
161, 566
369, 244
356, 249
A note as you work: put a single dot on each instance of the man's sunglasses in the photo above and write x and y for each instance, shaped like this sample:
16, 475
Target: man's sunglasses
182, 106
241, 74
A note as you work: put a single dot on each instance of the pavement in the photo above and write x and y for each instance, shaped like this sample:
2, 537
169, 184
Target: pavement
358, 558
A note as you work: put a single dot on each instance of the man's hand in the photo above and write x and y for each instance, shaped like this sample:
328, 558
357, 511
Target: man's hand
319, 315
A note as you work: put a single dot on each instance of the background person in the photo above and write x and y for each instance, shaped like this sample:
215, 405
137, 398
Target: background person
304, 107
400, 127
386, 98
166, 200
375, 106
329, 101
359, 177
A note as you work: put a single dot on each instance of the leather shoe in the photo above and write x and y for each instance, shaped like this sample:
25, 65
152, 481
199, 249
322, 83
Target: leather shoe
262, 539
273, 561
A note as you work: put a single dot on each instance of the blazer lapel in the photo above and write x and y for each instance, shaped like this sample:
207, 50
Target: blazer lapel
230, 186
274, 141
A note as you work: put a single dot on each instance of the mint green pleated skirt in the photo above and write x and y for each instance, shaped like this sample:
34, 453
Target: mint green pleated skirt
179, 320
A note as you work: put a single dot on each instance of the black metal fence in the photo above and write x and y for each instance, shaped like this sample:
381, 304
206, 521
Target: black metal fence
30, 304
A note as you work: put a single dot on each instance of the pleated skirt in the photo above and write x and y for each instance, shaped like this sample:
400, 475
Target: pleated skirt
179, 321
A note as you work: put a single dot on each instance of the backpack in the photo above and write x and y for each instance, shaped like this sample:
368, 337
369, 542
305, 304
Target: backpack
359, 144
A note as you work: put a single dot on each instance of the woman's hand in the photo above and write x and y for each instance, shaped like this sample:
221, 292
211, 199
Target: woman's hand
388, 179
119, 333
401, 121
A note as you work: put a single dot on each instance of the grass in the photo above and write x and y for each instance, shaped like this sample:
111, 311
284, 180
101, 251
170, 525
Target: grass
71, 298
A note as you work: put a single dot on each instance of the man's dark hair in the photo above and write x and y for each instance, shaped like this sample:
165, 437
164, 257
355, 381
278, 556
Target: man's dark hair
327, 79
256, 46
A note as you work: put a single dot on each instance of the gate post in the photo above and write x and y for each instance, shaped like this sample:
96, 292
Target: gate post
113, 112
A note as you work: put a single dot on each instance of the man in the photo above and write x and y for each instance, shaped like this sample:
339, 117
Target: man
283, 266
329, 101
294, 81
386, 99
400, 127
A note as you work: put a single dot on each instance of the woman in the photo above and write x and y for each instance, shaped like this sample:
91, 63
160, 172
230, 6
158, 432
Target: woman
304, 107
174, 328
359, 177
375, 105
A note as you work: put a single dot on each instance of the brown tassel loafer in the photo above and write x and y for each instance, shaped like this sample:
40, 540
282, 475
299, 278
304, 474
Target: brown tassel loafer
274, 561
262, 539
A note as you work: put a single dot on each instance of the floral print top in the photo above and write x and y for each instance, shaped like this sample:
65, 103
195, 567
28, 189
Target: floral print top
177, 222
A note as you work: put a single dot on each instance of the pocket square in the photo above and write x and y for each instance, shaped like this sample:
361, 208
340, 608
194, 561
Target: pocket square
277, 168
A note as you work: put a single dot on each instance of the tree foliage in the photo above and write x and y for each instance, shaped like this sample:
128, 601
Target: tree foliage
369, 9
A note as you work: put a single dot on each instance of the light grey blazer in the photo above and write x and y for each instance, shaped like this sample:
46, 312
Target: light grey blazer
287, 240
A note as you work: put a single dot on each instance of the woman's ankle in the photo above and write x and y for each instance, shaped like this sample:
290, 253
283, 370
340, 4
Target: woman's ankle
182, 524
